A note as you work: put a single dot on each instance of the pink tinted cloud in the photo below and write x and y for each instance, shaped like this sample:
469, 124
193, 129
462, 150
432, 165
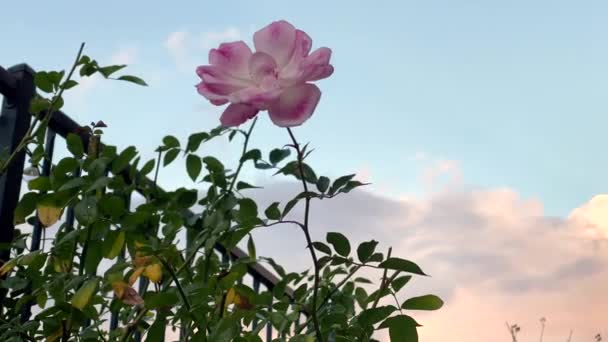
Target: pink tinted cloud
493, 256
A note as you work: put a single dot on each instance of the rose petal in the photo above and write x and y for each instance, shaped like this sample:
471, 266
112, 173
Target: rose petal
316, 66
262, 65
302, 48
237, 113
214, 98
233, 58
220, 83
256, 97
277, 40
295, 105
320, 56
317, 72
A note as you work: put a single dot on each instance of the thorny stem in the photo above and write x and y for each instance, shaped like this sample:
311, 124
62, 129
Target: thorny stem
384, 282
192, 256
306, 231
241, 162
28, 134
176, 281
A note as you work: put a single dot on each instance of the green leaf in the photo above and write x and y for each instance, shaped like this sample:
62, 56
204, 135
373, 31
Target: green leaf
248, 209
69, 84
321, 247
251, 248
133, 79
340, 182
352, 185
112, 205
123, 159
428, 302
366, 249
262, 165
376, 257
273, 212
401, 328
99, 183
244, 185
254, 154
82, 297
86, 211
186, 198
72, 183
195, 140
225, 331
113, 243
213, 164
41, 183
339, 242
322, 184
171, 142
170, 156
94, 256
194, 165
292, 203
148, 167
157, 300
109, 70
26, 207
157, 331
372, 316
278, 154
38, 104
43, 81
400, 282
401, 265
75, 146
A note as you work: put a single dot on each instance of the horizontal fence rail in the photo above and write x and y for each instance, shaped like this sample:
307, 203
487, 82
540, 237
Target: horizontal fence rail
17, 87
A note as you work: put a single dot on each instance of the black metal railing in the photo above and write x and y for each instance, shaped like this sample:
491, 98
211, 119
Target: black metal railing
17, 87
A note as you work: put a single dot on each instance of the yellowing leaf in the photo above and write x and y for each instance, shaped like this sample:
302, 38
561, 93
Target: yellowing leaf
240, 301
229, 297
48, 215
60, 265
154, 272
138, 271
7, 267
82, 297
56, 336
117, 246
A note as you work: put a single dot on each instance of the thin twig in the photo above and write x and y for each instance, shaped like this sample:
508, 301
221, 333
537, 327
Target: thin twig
384, 282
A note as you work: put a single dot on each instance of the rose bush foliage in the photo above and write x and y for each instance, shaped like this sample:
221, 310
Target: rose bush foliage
156, 285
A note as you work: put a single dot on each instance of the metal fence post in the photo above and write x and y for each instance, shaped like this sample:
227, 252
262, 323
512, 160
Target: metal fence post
14, 123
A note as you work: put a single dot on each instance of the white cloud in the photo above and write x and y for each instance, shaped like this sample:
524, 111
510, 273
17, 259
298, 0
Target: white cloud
211, 39
189, 50
493, 256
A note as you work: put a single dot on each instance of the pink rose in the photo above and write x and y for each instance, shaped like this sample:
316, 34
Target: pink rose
275, 78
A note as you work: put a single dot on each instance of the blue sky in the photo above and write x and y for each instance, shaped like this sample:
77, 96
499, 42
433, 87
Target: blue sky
506, 97
514, 92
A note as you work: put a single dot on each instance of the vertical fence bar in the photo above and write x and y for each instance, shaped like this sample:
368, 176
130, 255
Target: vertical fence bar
49, 148
256, 289
269, 325
14, 123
